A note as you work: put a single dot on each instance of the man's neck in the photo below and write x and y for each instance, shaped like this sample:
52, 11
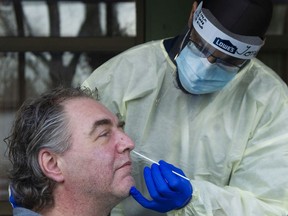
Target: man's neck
77, 209
67, 205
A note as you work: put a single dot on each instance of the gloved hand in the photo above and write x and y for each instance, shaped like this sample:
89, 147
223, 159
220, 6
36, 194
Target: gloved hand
168, 191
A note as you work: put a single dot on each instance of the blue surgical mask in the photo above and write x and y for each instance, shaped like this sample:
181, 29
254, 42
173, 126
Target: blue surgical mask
198, 76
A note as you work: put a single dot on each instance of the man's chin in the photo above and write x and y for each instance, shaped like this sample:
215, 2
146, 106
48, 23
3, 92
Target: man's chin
124, 189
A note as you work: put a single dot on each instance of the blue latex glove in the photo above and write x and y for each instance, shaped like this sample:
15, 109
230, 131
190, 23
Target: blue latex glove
168, 191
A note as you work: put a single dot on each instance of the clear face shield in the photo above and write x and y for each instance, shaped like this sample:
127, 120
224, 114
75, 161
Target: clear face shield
203, 49
210, 56
209, 39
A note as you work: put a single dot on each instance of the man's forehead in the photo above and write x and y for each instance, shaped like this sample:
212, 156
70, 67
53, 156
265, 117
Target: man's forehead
85, 107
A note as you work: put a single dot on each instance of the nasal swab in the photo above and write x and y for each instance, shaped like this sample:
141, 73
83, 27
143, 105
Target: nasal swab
148, 159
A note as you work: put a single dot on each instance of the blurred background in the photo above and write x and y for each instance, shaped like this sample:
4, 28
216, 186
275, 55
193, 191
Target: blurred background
44, 43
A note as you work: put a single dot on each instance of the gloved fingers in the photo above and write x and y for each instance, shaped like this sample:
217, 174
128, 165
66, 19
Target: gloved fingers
176, 169
175, 182
160, 207
150, 184
140, 198
161, 184
159, 179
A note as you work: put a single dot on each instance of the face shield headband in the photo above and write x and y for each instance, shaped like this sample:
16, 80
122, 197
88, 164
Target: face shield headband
238, 46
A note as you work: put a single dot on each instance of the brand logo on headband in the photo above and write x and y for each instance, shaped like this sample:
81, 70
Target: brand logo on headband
226, 42
225, 45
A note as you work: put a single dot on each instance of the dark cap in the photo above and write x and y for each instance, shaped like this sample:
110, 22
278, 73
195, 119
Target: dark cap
243, 17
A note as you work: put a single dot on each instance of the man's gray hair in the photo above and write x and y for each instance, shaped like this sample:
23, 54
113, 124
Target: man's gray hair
40, 123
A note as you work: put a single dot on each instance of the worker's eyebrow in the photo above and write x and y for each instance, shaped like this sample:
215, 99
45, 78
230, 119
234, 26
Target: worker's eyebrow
100, 123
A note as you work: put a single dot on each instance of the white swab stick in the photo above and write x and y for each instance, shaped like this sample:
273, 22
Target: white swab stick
148, 159
141, 155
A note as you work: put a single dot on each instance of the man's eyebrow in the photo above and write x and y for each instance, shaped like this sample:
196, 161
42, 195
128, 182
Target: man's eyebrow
99, 123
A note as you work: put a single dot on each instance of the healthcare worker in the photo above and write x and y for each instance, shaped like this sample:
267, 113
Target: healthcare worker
204, 103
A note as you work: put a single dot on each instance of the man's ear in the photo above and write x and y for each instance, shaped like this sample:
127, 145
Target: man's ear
194, 7
49, 164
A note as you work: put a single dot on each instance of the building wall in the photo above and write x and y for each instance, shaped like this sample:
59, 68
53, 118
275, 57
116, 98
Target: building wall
166, 18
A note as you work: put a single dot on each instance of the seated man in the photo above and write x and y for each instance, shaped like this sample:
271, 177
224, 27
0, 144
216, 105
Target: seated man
70, 156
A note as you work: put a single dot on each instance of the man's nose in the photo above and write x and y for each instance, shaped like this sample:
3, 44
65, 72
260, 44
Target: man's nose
125, 142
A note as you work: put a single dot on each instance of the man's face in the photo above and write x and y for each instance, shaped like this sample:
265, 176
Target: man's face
98, 162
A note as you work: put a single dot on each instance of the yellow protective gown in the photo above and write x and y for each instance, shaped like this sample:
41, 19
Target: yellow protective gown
232, 144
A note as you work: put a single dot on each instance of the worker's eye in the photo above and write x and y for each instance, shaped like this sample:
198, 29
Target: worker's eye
121, 125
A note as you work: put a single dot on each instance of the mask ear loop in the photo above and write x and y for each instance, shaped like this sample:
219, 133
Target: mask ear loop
183, 43
178, 44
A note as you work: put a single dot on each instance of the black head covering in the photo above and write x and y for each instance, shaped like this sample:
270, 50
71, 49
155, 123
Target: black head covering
243, 17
